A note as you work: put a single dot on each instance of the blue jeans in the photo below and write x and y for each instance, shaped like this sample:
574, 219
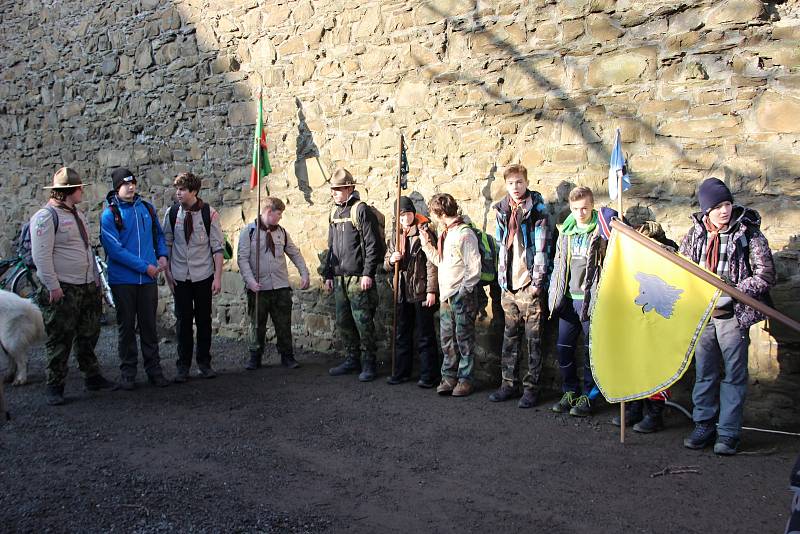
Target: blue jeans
723, 341
570, 327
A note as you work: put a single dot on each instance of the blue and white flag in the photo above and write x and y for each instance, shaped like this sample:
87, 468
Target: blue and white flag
617, 165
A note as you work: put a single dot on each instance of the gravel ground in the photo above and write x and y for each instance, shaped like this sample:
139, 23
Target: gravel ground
280, 450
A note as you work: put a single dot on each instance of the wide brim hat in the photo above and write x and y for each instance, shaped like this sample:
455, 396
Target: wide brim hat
342, 178
65, 178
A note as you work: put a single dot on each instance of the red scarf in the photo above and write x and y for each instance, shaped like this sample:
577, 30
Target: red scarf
712, 244
188, 225
444, 235
513, 220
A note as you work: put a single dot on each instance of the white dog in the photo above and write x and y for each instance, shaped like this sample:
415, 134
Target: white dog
21, 326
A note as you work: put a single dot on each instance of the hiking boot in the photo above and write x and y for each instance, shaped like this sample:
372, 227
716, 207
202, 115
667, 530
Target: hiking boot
254, 362
98, 382
463, 389
651, 423
504, 393
206, 372
287, 360
726, 446
158, 381
582, 407
426, 383
565, 404
702, 436
55, 394
348, 366
368, 371
633, 414
127, 383
447, 386
529, 398
181, 376
395, 380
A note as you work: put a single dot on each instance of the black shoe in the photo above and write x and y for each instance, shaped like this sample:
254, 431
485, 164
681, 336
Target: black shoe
368, 371
254, 362
702, 436
394, 380
582, 408
289, 361
158, 381
504, 393
55, 395
206, 372
726, 446
565, 404
181, 376
633, 414
127, 383
98, 382
427, 383
651, 423
348, 366
529, 399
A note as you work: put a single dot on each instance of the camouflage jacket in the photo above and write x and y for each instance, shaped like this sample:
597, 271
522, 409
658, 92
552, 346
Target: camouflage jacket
752, 270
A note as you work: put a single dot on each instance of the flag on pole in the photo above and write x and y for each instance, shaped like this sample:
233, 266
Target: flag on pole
261, 166
617, 165
646, 320
403, 164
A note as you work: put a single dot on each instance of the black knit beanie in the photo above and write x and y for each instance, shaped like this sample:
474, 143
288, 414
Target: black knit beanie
711, 193
407, 205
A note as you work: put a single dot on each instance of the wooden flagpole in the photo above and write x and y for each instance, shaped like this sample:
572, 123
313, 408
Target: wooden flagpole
621, 404
398, 236
258, 197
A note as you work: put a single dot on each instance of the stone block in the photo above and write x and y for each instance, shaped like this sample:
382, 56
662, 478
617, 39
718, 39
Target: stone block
603, 28
631, 66
735, 12
777, 113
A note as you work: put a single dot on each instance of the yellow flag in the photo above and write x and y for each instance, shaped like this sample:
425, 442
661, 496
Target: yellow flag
646, 319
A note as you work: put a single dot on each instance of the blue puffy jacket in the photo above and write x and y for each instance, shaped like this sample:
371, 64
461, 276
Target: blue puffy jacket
130, 249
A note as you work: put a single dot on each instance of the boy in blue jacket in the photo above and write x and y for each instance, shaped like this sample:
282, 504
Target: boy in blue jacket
137, 253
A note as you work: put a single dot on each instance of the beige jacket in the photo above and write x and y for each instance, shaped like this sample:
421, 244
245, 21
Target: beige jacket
61, 256
273, 272
460, 266
194, 261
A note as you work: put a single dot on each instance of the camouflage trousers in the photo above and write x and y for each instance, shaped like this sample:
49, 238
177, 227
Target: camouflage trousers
355, 312
72, 321
277, 304
457, 330
523, 312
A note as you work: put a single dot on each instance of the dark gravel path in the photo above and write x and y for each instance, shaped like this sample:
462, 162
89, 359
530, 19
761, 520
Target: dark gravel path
298, 451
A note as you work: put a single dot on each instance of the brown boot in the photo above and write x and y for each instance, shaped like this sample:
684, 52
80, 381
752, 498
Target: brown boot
463, 389
447, 386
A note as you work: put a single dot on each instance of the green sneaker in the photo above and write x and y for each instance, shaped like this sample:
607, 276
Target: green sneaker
582, 407
565, 404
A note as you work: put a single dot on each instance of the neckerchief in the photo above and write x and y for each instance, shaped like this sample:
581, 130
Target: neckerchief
513, 219
444, 234
270, 244
713, 244
188, 225
81, 228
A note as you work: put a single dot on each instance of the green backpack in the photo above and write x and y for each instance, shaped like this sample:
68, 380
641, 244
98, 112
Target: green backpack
488, 247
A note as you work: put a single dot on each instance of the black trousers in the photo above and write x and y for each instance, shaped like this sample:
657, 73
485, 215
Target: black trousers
193, 305
414, 317
137, 304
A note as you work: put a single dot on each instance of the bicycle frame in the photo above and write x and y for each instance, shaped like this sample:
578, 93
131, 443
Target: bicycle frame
102, 269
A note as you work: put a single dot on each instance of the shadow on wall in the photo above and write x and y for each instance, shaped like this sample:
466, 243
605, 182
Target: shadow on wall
305, 148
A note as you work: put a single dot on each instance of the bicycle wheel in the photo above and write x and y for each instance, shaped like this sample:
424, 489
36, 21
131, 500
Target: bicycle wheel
23, 284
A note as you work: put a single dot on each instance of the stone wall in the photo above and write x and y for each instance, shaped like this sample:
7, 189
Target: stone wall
698, 88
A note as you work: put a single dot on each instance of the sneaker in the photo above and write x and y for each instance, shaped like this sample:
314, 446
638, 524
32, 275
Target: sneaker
206, 372
565, 404
504, 393
127, 383
529, 399
55, 395
181, 376
702, 436
158, 381
98, 382
395, 380
726, 446
582, 407
446, 387
463, 389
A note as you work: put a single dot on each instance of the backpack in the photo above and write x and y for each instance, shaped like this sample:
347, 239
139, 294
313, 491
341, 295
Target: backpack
379, 217
120, 225
253, 229
23, 241
488, 248
205, 213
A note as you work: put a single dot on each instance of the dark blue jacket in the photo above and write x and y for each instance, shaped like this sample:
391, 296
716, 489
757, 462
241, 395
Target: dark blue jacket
131, 249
